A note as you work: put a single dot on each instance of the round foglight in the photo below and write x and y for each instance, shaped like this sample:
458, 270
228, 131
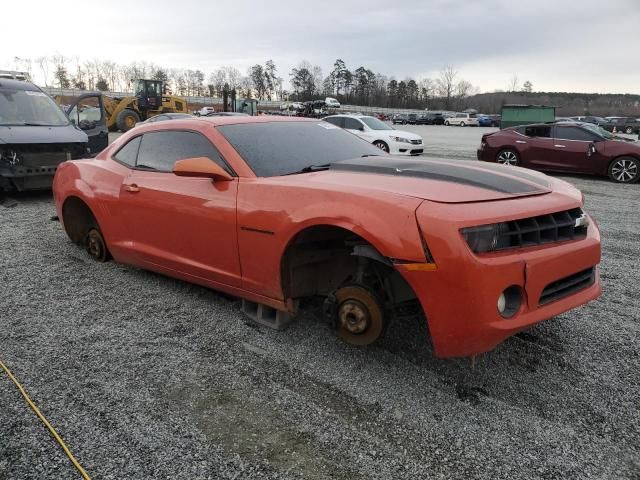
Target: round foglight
509, 301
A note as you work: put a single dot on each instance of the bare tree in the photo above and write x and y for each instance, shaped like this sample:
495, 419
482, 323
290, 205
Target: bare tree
43, 62
527, 87
446, 83
514, 84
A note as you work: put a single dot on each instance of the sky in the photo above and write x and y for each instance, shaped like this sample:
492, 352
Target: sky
557, 45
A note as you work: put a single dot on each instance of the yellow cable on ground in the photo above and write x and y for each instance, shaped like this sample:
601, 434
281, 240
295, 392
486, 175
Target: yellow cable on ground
46, 423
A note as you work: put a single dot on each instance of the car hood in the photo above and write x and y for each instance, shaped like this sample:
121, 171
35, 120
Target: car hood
37, 134
446, 181
402, 133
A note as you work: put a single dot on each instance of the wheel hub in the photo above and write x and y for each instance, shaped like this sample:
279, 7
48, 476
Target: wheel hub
354, 316
624, 170
360, 317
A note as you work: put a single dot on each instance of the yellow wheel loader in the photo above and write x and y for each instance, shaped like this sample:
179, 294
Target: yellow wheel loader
122, 113
148, 100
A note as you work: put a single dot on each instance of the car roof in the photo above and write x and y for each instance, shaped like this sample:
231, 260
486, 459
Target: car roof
238, 119
17, 84
351, 115
574, 123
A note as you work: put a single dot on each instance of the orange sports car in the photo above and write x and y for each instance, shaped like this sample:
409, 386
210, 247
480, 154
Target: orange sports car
275, 209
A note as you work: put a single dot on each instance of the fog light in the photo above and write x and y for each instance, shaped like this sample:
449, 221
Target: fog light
502, 303
509, 301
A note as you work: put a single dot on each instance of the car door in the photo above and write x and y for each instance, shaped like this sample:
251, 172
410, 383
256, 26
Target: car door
571, 144
181, 224
534, 143
87, 113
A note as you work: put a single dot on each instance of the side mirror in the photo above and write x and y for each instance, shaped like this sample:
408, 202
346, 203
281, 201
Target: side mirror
202, 167
591, 149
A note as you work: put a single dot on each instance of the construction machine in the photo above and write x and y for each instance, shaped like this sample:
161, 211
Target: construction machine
122, 113
148, 100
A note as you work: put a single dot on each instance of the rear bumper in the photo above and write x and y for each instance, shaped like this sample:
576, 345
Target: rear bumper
460, 297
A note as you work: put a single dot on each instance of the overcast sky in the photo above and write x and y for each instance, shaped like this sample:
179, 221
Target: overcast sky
558, 45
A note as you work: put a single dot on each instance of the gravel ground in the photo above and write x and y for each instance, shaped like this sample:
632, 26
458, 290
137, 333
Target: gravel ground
149, 377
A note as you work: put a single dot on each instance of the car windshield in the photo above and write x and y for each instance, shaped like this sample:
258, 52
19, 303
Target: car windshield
29, 107
281, 148
375, 124
598, 130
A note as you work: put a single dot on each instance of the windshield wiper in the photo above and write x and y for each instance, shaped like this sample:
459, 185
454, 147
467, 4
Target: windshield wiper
312, 168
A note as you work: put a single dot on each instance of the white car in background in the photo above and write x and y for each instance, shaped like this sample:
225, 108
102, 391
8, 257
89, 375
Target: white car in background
382, 135
463, 120
204, 111
331, 102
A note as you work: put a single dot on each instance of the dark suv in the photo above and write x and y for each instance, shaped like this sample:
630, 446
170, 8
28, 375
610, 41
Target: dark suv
628, 125
36, 135
430, 119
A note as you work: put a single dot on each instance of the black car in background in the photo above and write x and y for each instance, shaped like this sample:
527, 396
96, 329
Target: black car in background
411, 118
430, 119
400, 118
627, 125
36, 136
590, 119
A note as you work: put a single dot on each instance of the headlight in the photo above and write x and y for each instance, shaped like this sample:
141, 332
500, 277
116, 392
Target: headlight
486, 238
400, 139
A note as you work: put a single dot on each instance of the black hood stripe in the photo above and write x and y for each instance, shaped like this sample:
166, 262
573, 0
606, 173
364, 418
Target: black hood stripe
475, 175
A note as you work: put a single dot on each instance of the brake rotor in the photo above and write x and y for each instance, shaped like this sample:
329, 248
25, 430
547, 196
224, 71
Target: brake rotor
360, 318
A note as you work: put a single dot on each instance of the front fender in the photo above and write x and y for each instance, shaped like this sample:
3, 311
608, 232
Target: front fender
270, 218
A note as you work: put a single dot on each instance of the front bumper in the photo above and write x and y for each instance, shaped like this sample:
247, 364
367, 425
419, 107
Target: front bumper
402, 148
460, 296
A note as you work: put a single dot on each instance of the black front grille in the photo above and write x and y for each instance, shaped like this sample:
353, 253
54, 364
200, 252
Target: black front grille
416, 142
568, 285
550, 228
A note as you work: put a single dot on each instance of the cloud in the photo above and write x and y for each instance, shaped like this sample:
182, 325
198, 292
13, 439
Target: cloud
583, 45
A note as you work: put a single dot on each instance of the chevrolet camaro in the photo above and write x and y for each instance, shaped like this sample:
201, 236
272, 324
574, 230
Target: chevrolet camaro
274, 209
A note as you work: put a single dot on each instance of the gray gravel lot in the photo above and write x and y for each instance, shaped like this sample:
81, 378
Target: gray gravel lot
149, 377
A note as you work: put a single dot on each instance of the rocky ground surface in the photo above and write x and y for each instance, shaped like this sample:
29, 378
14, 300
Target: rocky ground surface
149, 377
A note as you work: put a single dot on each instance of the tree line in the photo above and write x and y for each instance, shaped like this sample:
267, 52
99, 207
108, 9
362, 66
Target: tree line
358, 86
262, 81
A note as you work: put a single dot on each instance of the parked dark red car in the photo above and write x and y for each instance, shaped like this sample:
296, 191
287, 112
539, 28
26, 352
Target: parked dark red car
564, 147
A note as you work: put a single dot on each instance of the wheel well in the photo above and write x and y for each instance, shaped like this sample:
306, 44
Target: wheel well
381, 141
322, 258
78, 219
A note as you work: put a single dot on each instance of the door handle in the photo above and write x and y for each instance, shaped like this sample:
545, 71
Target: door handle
520, 141
560, 146
133, 188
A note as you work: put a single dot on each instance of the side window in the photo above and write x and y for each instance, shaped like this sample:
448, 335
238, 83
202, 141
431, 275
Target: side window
538, 131
352, 124
129, 152
161, 150
573, 133
337, 121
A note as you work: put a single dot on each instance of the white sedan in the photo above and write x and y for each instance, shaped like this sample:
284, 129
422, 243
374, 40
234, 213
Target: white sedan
382, 135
